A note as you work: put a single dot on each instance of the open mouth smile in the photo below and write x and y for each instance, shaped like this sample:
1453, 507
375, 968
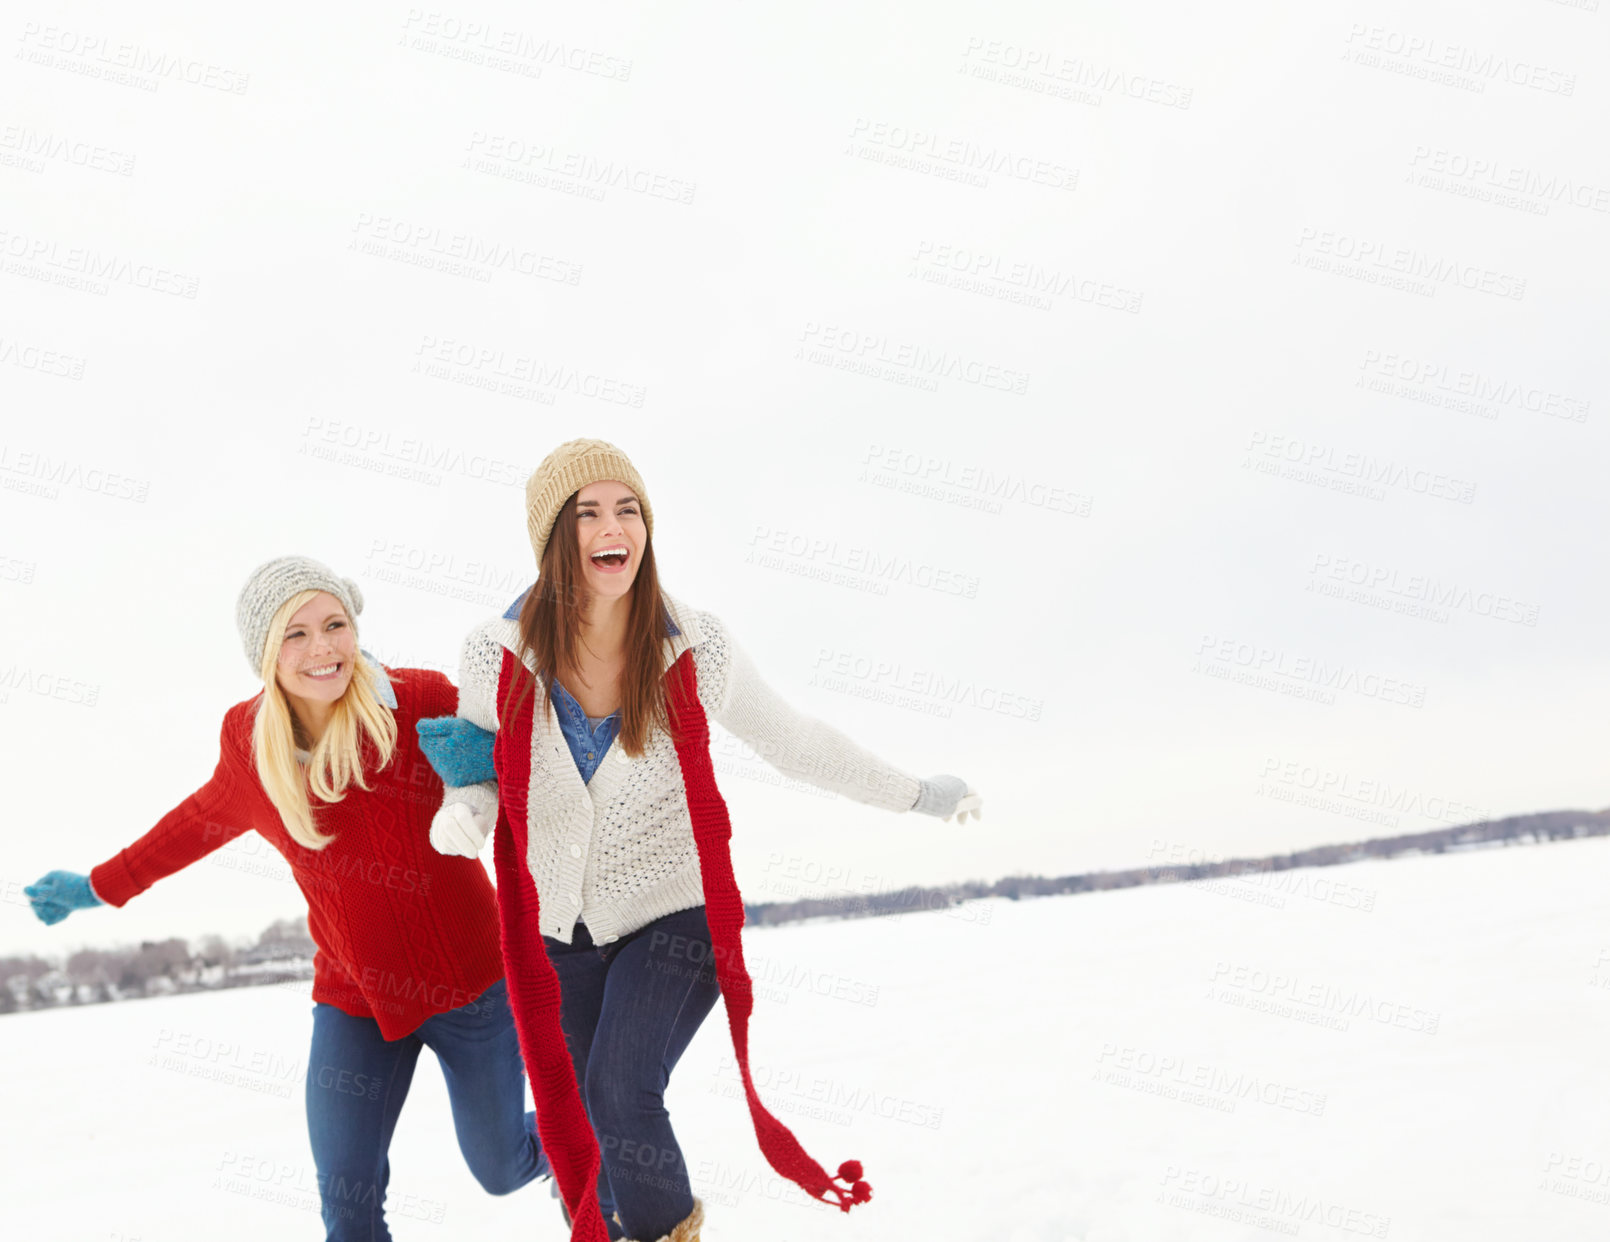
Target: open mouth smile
611, 560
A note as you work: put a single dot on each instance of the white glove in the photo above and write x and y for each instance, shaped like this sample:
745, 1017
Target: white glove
455, 830
465, 820
972, 802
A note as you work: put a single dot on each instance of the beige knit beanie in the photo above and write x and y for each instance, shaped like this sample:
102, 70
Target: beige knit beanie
567, 470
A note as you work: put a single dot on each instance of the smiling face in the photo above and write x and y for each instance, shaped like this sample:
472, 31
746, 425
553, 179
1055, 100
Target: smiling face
611, 533
316, 658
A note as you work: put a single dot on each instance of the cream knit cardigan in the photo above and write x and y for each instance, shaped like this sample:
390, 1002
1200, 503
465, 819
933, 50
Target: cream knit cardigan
618, 852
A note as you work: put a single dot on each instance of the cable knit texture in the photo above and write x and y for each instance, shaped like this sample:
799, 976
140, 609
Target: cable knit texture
618, 852
402, 931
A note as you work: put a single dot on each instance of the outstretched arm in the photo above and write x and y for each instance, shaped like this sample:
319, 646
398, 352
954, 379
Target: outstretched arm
200, 824
803, 746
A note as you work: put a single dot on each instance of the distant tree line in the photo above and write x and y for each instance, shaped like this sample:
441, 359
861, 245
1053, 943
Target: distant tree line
284, 951
1515, 830
156, 968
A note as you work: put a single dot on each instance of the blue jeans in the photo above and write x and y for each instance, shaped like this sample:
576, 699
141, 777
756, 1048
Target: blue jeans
629, 1010
356, 1084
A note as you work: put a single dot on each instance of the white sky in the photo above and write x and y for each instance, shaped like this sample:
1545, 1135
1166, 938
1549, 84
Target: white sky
157, 446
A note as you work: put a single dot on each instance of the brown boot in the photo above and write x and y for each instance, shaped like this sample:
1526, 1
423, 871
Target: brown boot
687, 1230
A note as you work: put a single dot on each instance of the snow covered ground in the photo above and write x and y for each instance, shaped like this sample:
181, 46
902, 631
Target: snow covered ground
1411, 1050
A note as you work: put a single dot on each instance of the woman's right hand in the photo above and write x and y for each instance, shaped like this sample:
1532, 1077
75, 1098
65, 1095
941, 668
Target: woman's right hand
453, 830
57, 894
466, 819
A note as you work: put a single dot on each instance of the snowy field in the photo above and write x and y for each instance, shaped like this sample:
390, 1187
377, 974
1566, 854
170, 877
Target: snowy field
1410, 1050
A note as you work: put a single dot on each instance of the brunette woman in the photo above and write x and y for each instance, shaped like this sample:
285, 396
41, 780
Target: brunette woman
620, 915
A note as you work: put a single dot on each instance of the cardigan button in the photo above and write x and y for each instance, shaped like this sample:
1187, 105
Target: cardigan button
575, 851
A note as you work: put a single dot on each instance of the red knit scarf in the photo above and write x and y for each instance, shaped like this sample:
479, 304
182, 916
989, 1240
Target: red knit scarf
567, 1136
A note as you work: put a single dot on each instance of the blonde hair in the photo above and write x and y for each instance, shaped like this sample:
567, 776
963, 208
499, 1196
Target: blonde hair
336, 760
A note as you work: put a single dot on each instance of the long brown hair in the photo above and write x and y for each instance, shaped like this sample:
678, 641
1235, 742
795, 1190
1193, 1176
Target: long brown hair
550, 634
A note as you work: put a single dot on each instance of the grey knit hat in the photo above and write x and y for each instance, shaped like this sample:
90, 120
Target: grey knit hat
272, 583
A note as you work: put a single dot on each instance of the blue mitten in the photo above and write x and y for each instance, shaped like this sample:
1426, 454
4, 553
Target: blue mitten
58, 893
459, 750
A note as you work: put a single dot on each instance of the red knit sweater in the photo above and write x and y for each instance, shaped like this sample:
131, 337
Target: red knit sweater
402, 931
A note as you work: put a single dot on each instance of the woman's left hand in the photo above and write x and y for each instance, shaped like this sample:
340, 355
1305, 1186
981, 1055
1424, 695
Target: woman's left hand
56, 894
459, 749
947, 796
971, 803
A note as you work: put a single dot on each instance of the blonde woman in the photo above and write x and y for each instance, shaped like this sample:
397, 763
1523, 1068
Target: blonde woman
619, 911
325, 764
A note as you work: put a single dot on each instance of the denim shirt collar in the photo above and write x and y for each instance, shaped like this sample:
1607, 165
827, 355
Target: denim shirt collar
383, 687
580, 734
588, 746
